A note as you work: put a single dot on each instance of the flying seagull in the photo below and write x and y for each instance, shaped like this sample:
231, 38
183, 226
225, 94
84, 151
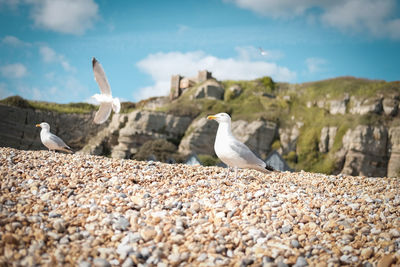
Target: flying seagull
262, 52
231, 151
107, 102
51, 141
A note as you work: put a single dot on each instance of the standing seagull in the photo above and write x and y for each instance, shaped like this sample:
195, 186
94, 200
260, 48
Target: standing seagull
51, 141
107, 102
231, 151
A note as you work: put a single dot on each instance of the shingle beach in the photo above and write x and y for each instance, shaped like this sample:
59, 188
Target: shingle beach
81, 210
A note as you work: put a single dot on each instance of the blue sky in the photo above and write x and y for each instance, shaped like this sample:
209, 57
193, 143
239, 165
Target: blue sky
46, 46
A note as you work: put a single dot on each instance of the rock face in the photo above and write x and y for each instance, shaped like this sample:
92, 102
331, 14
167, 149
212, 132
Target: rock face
199, 138
257, 135
107, 138
327, 138
288, 138
210, 89
391, 105
236, 90
17, 127
338, 106
142, 126
364, 106
366, 148
393, 169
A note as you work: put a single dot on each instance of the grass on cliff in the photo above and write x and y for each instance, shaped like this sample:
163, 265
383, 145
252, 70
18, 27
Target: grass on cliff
79, 107
339, 87
20, 102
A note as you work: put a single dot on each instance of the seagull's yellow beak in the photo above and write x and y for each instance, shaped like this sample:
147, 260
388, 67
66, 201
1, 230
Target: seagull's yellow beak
212, 117
38, 125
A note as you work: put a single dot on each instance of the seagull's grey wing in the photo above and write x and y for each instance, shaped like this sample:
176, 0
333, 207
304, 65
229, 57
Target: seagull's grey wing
58, 141
246, 154
100, 77
103, 113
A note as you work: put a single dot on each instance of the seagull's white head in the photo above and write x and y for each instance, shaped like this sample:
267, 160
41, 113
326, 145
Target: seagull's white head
220, 117
44, 125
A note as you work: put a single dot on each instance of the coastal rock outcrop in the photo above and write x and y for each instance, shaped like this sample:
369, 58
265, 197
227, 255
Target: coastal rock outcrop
365, 106
327, 138
17, 127
366, 151
199, 138
393, 169
142, 126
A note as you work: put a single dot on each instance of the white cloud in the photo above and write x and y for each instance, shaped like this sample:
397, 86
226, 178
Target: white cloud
14, 41
363, 15
50, 56
16, 70
275, 9
65, 16
161, 66
315, 64
377, 18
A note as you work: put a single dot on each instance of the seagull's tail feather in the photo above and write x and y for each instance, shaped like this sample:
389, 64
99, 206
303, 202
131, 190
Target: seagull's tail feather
269, 168
67, 149
266, 169
116, 105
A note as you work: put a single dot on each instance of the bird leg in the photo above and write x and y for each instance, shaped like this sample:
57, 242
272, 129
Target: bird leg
236, 172
227, 173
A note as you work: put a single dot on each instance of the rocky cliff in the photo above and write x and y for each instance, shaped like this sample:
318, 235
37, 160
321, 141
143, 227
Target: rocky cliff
343, 125
17, 127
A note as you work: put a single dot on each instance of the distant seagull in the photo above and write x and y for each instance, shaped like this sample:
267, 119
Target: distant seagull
262, 52
231, 151
51, 141
107, 102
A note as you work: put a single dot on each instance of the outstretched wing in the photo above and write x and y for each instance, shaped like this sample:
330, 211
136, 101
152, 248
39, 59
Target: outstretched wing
116, 105
100, 77
103, 113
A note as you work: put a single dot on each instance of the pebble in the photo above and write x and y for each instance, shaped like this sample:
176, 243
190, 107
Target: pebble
128, 263
82, 210
121, 224
148, 233
295, 243
100, 262
300, 262
386, 261
366, 253
59, 225
286, 229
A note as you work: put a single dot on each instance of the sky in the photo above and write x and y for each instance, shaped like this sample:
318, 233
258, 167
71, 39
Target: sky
46, 46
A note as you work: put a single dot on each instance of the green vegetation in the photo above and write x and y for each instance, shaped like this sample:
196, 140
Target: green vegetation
16, 101
79, 107
208, 160
127, 107
63, 108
